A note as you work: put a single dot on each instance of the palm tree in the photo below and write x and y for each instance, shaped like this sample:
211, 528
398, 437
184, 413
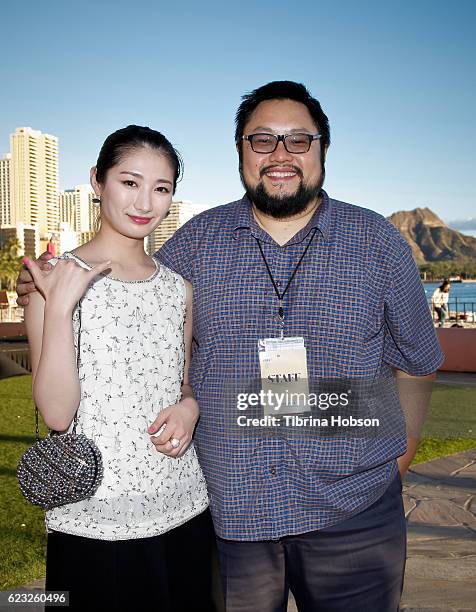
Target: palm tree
10, 263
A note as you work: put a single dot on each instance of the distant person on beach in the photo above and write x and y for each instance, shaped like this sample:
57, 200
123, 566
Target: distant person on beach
439, 301
293, 286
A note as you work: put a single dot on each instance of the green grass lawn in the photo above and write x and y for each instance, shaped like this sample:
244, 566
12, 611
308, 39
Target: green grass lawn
451, 424
22, 529
451, 428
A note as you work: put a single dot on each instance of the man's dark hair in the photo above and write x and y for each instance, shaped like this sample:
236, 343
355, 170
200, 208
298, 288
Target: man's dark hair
282, 90
123, 141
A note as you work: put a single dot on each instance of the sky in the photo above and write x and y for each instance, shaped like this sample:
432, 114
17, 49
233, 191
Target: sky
396, 79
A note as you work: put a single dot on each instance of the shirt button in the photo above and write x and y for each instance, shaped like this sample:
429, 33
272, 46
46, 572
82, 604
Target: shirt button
272, 470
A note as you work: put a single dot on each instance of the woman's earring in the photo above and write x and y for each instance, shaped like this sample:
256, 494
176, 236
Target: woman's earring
96, 201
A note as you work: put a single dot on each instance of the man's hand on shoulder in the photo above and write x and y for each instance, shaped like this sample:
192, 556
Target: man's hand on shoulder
25, 284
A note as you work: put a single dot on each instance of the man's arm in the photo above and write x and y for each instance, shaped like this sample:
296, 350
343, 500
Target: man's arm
411, 346
414, 394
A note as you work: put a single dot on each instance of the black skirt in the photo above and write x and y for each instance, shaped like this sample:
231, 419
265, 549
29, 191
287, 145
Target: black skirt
172, 572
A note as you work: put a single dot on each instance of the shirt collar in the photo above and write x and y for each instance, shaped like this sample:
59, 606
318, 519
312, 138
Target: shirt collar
244, 222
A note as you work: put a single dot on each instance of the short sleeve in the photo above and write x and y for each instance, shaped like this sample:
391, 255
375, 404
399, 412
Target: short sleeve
178, 253
411, 343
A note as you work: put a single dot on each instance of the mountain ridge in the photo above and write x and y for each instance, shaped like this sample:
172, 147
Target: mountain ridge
429, 237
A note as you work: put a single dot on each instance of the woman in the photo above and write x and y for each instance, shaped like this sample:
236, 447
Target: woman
143, 540
439, 301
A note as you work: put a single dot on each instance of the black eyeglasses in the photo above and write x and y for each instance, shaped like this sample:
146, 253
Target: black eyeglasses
293, 143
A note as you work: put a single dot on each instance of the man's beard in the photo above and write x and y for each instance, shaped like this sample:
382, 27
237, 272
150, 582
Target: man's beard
287, 205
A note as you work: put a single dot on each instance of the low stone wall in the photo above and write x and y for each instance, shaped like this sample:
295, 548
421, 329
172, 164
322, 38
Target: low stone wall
12, 329
459, 347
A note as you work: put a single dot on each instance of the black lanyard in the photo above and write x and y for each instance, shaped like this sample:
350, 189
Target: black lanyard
281, 295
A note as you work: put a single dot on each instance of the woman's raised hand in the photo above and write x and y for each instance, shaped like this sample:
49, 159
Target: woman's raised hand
66, 283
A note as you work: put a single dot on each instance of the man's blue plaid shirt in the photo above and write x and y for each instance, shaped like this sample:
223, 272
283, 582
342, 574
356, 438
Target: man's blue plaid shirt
358, 302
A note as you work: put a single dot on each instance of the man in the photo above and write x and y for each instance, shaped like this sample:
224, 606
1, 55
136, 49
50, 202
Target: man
289, 278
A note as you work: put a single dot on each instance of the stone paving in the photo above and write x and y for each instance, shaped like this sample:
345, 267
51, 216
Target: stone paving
440, 505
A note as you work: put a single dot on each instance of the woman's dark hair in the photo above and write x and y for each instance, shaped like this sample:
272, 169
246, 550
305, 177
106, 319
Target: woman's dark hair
444, 284
282, 90
119, 143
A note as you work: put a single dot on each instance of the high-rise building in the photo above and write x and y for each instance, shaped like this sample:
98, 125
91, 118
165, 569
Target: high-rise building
29, 240
67, 206
77, 208
27, 236
34, 180
5, 209
180, 212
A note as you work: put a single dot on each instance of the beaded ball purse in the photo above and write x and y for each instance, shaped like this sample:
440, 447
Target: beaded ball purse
62, 468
